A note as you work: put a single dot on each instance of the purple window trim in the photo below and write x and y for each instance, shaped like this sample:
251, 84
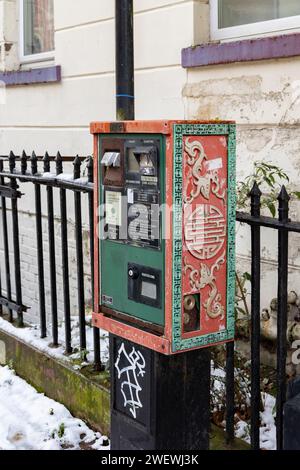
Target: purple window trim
33, 76
248, 50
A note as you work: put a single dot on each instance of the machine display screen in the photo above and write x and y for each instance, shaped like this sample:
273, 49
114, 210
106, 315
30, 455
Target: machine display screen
144, 285
142, 164
133, 162
149, 290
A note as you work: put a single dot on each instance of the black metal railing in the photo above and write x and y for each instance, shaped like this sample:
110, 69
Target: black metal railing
283, 225
48, 172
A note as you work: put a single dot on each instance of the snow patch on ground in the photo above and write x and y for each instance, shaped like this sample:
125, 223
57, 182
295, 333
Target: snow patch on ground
31, 421
31, 335
242, 428
268, 429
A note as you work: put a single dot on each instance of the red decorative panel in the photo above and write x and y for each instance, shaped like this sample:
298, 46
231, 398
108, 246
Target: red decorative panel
204, 252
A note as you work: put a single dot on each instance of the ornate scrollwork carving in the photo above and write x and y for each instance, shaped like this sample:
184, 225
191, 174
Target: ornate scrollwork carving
203, 183
203, 277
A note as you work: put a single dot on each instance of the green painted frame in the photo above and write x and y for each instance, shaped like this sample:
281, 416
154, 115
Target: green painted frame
133, 136
181, 130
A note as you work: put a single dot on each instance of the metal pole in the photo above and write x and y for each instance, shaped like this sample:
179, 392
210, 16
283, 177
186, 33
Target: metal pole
124, 60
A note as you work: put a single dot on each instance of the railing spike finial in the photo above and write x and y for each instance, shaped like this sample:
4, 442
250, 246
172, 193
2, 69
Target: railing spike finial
283, 195
77, 165
255, 191
255, 195
24, 159
34, 163
46, 161
90, 169
12, 161
59, 163
283, 209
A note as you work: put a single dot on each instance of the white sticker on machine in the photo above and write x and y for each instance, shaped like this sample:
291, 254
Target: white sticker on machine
215, 164
130, 196
113, 207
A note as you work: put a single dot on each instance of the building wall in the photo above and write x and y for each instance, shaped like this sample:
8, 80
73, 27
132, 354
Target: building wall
56, 116
264, 99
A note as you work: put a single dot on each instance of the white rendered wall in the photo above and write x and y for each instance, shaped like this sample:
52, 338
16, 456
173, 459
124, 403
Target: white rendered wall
56, 116
264, 99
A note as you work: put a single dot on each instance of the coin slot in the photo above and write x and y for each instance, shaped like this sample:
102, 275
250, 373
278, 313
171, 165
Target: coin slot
191, 313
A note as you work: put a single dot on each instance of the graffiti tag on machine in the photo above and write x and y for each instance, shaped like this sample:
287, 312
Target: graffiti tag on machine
130, 367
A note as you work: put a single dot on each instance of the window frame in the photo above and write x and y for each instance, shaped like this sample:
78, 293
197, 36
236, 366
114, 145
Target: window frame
262, 28
30, 58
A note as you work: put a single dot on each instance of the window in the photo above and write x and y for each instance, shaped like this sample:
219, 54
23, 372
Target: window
240, 18
36, 30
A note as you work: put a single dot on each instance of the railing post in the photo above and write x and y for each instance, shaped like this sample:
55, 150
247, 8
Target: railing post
283, 211
16, 241
255, 195
39, 242
65, 257
6, 247
96, 332
52, 261
79, 253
